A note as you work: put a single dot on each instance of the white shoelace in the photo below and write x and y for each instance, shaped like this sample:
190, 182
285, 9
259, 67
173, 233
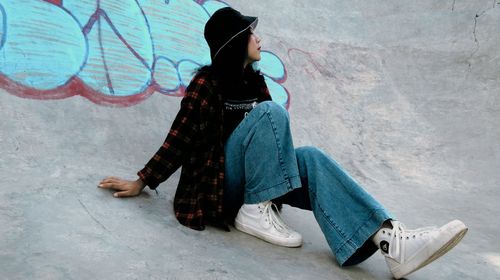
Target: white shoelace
398, 236
270, 212
397, 232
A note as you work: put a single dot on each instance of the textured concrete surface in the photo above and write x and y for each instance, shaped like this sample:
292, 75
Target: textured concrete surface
405, 94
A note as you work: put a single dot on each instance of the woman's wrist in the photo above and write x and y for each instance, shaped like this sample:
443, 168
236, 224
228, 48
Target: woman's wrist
140, 183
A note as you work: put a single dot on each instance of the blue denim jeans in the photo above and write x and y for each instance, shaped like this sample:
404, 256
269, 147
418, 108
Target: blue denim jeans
262, 164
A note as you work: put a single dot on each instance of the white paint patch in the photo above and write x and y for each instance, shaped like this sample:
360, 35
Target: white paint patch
493, 259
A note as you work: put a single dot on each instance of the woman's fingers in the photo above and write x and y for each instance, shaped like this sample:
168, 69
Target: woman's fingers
121, 194
113, 183
109, 186
111, 180
126, 193
124, 188
104, 181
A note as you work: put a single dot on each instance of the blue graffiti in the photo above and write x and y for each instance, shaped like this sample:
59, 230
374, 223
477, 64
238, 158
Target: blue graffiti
116, 47
42, 45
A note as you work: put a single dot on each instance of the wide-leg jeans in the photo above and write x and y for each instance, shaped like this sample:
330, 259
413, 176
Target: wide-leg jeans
262, 164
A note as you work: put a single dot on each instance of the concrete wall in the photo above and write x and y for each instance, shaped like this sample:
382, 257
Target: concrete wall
404, 94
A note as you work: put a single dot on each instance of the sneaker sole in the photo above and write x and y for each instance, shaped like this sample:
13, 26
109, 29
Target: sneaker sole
251, 231
462, 230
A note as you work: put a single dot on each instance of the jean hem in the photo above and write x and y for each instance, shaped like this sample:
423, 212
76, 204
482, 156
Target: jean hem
362, 235
273, 192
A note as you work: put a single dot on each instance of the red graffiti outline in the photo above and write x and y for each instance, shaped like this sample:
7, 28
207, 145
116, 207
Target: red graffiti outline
75, 86
55, 2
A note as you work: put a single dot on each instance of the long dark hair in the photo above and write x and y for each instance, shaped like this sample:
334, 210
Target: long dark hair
227, 67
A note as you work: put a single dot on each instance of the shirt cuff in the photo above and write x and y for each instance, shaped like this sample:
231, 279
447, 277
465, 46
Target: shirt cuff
152, 184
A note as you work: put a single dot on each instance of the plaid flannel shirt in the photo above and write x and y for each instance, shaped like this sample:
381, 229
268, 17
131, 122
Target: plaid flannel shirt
195, 142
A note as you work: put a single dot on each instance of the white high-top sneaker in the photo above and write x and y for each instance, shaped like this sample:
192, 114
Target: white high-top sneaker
408, 250
263, 221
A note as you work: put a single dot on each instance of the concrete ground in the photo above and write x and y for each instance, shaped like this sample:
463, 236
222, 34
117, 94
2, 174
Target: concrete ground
405, 94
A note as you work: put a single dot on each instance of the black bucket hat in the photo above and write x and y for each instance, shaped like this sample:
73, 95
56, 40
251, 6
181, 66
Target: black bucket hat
223, 26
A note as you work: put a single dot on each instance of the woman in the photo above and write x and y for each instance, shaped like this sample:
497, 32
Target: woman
237, 157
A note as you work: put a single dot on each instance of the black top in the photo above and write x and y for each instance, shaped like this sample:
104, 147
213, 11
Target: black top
237, 103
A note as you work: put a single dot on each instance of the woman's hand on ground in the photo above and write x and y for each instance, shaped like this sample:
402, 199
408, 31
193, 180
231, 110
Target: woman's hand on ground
123, 187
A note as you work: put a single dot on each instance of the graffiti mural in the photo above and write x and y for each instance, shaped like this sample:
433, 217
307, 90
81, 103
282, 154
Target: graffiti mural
113, 52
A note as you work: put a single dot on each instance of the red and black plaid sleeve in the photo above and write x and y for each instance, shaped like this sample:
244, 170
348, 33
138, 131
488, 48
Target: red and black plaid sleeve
169, 156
